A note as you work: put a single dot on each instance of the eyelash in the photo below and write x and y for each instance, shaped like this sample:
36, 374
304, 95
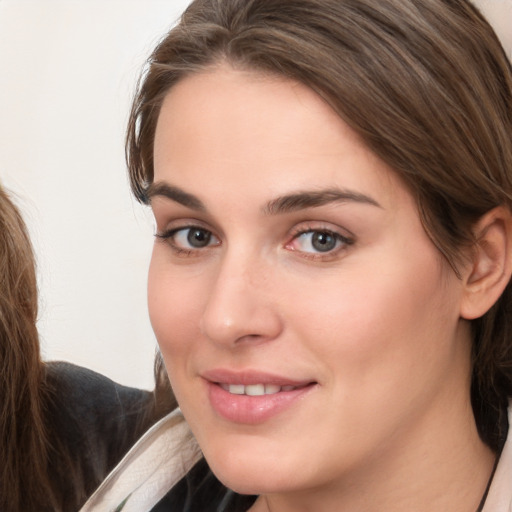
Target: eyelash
340, 240
169, 237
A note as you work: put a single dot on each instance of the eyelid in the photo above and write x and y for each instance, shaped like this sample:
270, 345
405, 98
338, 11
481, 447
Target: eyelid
308, 226
171, 224
169, 215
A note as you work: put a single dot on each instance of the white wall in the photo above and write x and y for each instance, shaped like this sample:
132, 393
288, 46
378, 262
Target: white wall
499, 13
68, 69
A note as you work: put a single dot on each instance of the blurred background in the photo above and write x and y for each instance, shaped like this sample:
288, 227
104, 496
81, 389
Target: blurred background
68, 72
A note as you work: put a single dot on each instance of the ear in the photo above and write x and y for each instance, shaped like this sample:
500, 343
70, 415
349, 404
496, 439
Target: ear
490, 268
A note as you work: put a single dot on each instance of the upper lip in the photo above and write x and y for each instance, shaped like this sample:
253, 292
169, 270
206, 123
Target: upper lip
248, 377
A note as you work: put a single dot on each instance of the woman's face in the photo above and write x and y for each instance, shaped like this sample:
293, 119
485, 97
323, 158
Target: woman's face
309, 326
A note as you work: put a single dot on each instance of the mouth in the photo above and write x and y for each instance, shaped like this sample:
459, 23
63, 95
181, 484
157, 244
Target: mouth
253, 397
258, 389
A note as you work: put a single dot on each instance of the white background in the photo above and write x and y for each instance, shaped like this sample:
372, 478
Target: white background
67, 72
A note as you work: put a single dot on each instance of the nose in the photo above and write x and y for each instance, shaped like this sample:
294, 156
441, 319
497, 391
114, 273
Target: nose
242, 305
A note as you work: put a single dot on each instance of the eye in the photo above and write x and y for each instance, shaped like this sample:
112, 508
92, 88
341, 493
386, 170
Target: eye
189, 238
196, 238
318, 241
321, 241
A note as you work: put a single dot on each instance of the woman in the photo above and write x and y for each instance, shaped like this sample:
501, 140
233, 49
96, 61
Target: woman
331, 182
62, 427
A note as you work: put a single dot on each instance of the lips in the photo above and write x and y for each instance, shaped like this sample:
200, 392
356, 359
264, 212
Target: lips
252, 397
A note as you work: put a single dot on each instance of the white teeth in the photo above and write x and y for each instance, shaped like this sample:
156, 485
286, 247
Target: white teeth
271, 389
236, 389
255, 389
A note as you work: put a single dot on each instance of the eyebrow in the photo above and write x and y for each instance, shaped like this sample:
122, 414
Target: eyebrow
313, 199
284, 204
175, 194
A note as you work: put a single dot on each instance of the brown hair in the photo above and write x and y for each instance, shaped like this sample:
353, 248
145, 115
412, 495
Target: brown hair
24, 480
425, 83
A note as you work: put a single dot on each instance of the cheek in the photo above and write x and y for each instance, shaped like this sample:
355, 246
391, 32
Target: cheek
392, 315
174, 305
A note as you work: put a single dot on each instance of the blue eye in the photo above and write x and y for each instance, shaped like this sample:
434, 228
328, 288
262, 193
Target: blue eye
318, 241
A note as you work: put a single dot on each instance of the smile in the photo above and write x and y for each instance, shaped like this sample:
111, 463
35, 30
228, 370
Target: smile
255, 389
252, 397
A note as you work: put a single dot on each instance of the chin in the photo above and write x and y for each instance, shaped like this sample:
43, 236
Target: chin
252, 475
251, 483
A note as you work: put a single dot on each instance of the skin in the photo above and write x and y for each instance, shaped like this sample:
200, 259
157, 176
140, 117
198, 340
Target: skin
375, 322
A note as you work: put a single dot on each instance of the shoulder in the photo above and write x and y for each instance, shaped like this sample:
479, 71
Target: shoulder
79, 389
92, 422
90, 411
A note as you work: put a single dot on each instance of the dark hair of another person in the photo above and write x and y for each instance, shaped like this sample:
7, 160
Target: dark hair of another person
426, 85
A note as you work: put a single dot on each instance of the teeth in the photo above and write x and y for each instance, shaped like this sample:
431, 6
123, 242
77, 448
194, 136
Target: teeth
236, 389
255, 389
271, 389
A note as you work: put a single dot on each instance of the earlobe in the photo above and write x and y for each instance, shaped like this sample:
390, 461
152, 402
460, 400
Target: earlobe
491, 263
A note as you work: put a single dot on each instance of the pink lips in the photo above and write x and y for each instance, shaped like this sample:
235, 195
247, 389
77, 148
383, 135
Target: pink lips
252, 397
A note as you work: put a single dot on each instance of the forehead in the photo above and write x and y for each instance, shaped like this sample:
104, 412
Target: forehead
226, 126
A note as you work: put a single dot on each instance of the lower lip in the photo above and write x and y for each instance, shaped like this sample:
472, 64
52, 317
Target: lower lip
252, 410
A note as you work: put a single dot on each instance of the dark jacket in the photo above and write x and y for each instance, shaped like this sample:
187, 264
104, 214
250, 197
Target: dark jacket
92, 422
